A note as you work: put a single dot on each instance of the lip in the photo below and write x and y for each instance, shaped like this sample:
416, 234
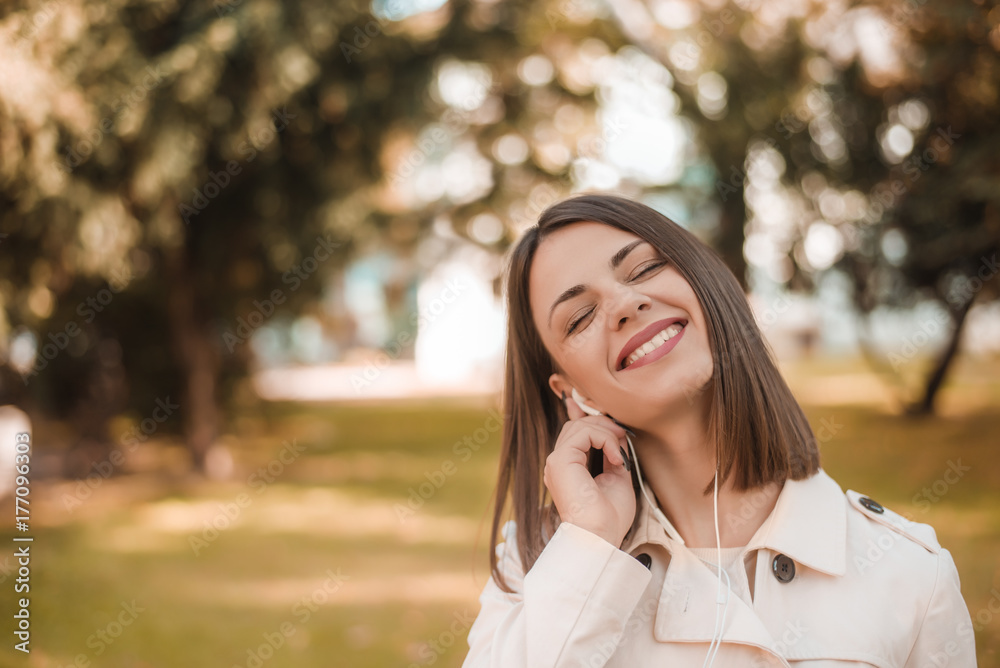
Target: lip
643, 337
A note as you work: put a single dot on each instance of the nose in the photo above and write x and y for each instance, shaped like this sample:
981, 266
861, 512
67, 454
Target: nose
627, 304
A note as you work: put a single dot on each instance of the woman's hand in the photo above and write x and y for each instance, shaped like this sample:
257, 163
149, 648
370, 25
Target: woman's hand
604, 505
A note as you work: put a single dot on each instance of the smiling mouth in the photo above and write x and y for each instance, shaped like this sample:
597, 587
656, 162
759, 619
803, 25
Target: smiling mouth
658, 340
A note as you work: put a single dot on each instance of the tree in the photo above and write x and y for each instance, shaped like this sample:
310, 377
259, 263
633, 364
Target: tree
880, 120
176, 175
187, 183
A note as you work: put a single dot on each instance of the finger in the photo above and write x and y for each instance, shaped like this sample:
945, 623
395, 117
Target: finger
618, 457
580, 437
610, 424
600, 422
573, 409
591, 423
613, 476
574, 412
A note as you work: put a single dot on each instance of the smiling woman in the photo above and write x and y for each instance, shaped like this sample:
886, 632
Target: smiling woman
645, 327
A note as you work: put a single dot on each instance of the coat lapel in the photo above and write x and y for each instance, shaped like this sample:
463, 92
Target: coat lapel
808, 524
687, 608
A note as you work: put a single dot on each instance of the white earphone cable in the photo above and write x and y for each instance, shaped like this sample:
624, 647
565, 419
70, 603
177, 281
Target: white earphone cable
657, 513
719, 630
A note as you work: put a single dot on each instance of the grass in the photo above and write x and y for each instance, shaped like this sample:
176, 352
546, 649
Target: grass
323, 566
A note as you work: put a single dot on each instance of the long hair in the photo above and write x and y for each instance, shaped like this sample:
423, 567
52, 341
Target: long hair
761, 433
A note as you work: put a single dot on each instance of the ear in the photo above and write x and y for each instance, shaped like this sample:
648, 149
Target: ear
560, 386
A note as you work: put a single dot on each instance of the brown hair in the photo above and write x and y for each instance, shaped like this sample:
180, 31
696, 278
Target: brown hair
765, 437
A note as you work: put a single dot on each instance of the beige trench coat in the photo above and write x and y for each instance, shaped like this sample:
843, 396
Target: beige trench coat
869, 588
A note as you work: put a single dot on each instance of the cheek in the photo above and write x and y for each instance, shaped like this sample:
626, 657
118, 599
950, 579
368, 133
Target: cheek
702, 364
585, 345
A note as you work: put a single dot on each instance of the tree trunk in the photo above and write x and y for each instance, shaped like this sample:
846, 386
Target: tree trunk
936, 378
872, 357
731, 236
198, 356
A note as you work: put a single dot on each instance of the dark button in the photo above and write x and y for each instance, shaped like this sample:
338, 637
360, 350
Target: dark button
871, 504
645, 560
783, 568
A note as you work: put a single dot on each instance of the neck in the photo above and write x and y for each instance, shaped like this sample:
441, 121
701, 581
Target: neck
677, 460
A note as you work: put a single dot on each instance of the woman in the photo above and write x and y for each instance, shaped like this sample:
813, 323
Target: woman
616, 305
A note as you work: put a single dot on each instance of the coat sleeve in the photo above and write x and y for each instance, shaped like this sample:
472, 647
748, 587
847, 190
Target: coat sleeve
570, 609
946, 636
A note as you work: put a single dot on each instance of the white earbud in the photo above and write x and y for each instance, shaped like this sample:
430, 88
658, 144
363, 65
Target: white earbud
583, 406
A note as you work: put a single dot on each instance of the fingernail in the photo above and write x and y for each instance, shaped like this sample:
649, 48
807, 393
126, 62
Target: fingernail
622, 425
628, 465
627, 430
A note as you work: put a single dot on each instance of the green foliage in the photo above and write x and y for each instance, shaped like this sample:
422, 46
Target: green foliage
175, 174
202, 167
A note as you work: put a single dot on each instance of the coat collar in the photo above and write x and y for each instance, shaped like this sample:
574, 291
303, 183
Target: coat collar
808, 524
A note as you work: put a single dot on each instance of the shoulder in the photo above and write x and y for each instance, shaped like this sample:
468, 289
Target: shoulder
906, 564
875, 516
894, 557
891, 548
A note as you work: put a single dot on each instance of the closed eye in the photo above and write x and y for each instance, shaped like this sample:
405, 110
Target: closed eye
578, 321
646, 269
651, 266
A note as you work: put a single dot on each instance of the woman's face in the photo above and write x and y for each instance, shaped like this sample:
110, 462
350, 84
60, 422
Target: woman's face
605, 302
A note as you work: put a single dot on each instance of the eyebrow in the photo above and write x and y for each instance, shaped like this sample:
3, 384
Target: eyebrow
615, 262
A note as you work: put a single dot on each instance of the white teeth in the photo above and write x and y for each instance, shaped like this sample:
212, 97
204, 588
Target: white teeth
654, 343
